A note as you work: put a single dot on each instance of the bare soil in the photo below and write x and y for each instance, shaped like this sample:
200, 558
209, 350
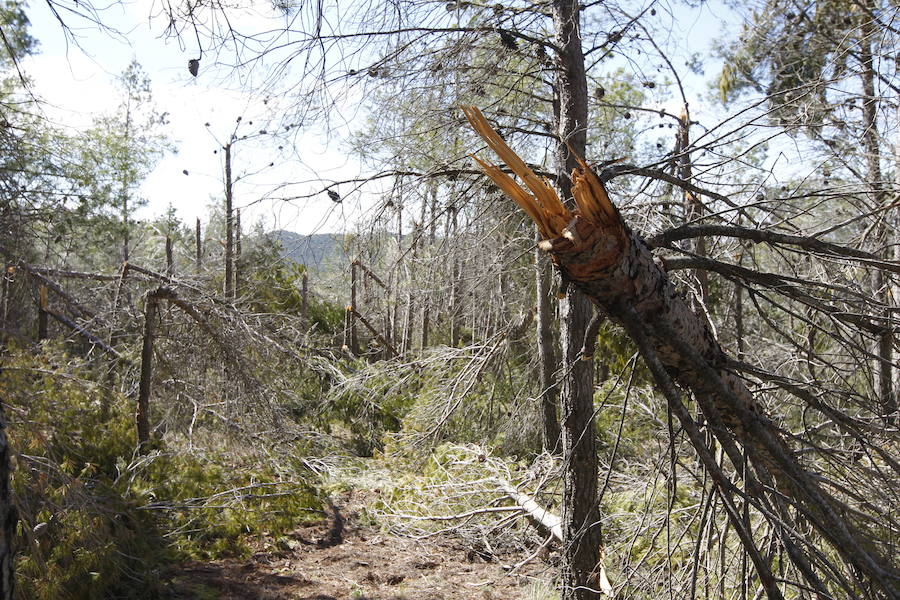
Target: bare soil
340, 558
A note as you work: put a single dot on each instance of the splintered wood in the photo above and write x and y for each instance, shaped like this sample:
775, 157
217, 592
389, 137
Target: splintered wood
594, 224
613, 267
542, 204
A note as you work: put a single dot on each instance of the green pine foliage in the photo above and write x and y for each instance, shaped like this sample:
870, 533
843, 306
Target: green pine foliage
97, 520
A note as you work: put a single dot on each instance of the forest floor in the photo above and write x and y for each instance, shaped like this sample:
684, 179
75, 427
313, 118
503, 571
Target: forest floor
340, 558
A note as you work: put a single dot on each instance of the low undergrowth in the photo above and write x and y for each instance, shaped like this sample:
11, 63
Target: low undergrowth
97, 519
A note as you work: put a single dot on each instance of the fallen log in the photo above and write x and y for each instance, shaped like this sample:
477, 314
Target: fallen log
600, 255
553, 524
538, 513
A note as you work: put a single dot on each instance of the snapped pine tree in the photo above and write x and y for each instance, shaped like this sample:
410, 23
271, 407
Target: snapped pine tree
597, 253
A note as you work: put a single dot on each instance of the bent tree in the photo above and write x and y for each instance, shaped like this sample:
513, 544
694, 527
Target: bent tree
612, 265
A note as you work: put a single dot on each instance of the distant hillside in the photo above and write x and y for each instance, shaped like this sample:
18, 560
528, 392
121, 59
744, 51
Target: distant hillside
317, 251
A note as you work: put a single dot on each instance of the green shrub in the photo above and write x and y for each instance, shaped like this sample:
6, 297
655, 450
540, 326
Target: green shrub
95, 517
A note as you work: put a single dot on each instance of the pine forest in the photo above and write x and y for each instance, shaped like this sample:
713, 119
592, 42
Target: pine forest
450, 299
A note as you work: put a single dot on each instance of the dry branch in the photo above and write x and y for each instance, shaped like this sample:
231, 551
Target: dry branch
74, 274
57, 289
369, 272
83, 332
538, 513
602, 257
380, 338
553, 524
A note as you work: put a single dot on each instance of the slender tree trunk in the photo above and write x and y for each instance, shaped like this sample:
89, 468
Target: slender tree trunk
739, 319
455, 301
871, 143
304, 295
425, 324
392, 308
229, 227
126, 242
9, 517
42, 332
346, 343
170, 259
455, 287
199, 245
693, 207
407, 324
581, 523
8, 271
549, 397
432, 226
142, 415
237, 253
117, 302
354, 341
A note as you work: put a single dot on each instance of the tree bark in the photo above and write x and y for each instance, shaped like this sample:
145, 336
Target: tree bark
549, 396
610, 264
42, 313
229, 227
142, 414
581, 523
198, 242
8, 518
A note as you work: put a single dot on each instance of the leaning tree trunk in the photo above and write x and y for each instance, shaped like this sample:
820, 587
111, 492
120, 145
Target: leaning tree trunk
601, 256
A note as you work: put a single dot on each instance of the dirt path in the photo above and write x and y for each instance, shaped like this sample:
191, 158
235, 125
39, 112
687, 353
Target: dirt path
339, 559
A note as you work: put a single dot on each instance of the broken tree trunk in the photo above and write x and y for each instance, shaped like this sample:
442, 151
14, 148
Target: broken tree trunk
84, 333
381, 339
601, 256
142, 414
538, 513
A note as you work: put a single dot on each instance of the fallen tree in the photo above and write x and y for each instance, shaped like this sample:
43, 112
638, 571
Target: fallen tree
599, 254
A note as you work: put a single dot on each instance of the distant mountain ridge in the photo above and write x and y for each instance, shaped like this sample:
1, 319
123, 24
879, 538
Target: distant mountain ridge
316, 251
